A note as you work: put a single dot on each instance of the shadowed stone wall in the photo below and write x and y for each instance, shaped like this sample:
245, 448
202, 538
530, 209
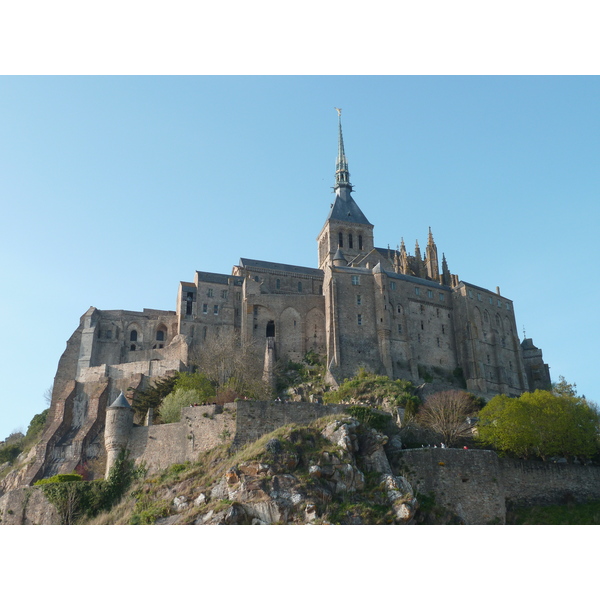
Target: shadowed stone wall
477, 485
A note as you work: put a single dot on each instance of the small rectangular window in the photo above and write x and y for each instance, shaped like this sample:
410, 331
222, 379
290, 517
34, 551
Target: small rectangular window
471, 294
441, 296
417, 291
399, 328
479, 297
491, 301
507, 306
392, 285
255, 310
278, 283
299, 286
355, 279
499, 303
209, 292
238, 296
216, 309
224, 294
429, 294
205, 308
359, 319
358, 300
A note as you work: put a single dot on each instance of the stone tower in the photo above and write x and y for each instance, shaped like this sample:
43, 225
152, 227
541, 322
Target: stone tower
119, 421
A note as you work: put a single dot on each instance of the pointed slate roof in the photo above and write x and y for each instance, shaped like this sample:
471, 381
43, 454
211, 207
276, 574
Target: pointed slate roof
120, 402
345, 208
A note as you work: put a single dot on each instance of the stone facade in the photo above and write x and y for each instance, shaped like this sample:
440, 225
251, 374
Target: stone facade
401, 315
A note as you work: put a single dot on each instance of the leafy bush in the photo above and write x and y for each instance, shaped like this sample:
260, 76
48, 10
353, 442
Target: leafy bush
9, 452
540, 424
369, 388
170, 409
197, 382
369, 417
74, 498
60, 478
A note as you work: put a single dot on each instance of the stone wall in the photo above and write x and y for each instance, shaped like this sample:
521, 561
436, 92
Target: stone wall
477, 486
200, 428
533, 483
466, 482
255, 419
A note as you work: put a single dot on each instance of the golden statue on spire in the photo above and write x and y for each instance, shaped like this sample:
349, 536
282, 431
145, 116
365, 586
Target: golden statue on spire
339, 111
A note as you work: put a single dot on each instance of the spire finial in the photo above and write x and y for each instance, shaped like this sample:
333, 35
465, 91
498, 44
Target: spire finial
431, 242
342, 175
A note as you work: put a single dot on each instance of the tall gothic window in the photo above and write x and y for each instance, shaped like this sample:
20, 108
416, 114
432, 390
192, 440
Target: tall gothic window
340, 239
360, 244
350, 241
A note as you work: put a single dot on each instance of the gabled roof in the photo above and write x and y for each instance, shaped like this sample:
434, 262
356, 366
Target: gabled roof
250, 263
216, 277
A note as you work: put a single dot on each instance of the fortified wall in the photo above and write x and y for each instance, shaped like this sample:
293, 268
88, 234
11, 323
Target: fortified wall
478, 486
204, 427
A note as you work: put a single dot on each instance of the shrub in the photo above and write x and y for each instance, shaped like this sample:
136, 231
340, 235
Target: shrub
170, 409
60, 478
369, 417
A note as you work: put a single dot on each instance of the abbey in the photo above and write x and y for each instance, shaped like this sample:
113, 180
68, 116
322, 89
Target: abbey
402, 315
390, 312
387, 311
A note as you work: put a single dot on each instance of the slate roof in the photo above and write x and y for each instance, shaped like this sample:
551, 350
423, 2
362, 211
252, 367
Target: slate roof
345, 209
216, 277
250, 263
120, 402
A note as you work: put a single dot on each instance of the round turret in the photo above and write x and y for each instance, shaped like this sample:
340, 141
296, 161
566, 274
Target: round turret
119, 421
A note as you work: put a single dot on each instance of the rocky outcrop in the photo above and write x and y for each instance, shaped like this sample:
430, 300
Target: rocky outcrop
342, 475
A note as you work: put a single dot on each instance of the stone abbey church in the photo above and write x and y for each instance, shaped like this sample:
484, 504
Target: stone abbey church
394, 313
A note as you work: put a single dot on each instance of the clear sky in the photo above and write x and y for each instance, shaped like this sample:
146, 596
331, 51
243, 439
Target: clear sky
113, 189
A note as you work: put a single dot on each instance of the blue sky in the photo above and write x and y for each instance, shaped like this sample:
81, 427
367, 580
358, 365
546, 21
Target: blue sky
113, 189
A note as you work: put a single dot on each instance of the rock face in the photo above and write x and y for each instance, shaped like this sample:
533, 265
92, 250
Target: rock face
337, 475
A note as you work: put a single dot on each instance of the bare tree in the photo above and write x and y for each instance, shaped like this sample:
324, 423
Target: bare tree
231, 364
48, 395
447, 413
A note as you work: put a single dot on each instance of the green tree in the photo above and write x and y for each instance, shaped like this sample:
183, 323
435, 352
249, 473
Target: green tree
197, 382
153, 395
540, 424
170, 409
564, 388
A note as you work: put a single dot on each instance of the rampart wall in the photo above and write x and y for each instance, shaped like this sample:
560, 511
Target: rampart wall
255, 419
477, 486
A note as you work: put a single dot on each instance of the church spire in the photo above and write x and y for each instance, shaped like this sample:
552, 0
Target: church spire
342, 175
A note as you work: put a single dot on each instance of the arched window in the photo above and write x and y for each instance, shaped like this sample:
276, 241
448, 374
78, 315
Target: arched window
340, 239
350, 245
133, 336
360, 245
160, 335
271, 329
132, 347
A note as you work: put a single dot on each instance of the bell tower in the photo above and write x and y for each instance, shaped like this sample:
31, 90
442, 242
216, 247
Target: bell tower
346, 227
